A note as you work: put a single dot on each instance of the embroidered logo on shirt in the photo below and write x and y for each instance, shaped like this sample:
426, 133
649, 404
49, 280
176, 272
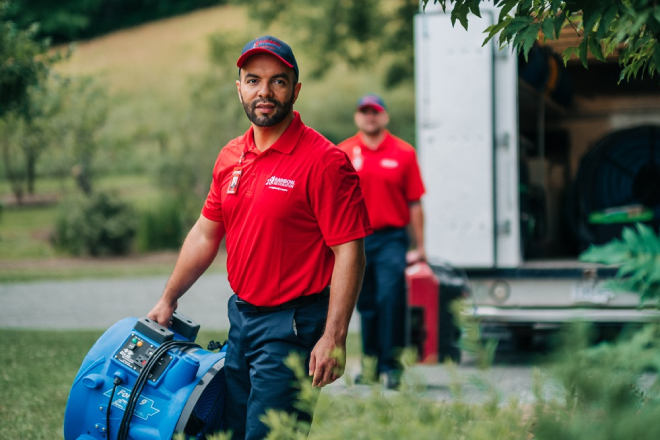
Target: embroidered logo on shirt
389, 163
280, 184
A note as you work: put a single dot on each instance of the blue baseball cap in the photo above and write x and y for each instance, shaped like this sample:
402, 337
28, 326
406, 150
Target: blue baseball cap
373, 101
270, 45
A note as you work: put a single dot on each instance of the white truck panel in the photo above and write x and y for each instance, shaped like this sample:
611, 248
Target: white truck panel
507, 202
455, 129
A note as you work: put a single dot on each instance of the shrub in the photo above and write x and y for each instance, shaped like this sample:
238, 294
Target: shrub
162, 227
608, 391
637, 254
99, 225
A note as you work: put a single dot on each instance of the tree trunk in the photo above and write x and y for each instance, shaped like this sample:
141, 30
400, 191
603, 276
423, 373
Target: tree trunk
31, 164
15, 180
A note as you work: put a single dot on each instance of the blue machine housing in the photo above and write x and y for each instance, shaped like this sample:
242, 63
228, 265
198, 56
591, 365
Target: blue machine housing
184, 391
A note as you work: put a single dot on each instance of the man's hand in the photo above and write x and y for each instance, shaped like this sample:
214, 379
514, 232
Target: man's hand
415, 256
162, 312
328, 358
197, 253
327, 362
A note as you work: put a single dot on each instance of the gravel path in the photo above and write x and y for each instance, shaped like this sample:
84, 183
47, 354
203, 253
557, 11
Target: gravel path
97, 304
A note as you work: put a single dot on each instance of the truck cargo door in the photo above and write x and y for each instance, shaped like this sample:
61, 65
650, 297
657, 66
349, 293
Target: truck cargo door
455, 138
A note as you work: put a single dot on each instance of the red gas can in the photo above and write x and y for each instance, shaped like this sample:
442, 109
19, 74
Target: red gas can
424, 304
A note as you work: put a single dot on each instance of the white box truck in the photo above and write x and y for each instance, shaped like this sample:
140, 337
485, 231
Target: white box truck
526, 164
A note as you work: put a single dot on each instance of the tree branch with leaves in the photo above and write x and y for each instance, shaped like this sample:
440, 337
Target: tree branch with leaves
603, 28
358, 33
23, 63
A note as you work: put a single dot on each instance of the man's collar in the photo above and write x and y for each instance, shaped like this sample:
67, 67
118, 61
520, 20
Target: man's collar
386, 138
287, 140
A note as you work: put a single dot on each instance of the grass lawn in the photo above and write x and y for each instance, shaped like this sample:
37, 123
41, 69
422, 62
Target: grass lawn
25, 232
37, 369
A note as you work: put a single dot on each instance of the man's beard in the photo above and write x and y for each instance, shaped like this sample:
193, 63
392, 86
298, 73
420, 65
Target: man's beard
282, 110
373, 131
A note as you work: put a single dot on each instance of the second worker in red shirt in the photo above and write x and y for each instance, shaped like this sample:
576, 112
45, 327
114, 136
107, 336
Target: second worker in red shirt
392, 186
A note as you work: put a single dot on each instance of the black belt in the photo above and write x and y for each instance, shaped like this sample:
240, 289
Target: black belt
245, 306
387, 229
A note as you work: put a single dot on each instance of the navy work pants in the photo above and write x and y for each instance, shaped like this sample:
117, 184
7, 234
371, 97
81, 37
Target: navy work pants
257, 378
382, 301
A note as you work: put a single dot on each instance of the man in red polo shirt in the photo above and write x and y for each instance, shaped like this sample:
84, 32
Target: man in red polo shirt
392, 187
278, 194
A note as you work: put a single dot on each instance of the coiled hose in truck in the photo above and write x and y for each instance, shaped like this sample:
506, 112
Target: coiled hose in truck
617, 185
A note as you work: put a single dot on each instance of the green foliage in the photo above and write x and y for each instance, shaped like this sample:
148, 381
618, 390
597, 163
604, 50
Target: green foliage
23, 62
185, 170
26, 103
77, 129
69, 20
13, 160
358, 33
608, 391
25, 135
483, 350
98, 225
60, 119
603, 25
162, 227
638, 255
372, 414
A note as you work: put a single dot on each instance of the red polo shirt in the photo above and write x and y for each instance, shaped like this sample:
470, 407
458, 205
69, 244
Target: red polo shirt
389, 177
293, 201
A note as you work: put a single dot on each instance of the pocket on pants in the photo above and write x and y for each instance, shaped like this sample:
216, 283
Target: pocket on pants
308, 323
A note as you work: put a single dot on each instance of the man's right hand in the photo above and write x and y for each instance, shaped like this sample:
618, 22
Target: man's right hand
162, 313
197, 253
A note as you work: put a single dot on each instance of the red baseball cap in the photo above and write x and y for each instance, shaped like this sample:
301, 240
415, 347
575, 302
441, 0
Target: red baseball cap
372, 101
270, 45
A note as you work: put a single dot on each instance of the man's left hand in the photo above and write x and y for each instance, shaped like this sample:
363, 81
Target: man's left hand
327, 362
415, 256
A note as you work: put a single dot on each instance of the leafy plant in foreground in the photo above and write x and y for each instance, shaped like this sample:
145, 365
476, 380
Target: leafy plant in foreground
609, 391
638, 254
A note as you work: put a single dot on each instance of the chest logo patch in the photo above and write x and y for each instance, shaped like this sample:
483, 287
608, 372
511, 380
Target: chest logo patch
280, 184
358, 161
389, 163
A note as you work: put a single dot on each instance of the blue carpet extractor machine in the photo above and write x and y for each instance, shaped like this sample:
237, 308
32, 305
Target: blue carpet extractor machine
142, 381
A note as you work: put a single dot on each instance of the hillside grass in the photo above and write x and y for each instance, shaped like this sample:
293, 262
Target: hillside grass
148, 69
